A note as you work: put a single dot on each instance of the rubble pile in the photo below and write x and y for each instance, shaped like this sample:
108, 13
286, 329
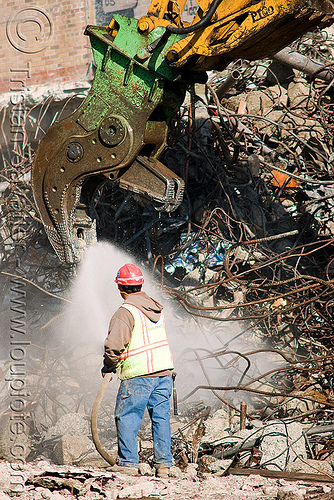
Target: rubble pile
56, 482
251, 244
217, 443
253, 238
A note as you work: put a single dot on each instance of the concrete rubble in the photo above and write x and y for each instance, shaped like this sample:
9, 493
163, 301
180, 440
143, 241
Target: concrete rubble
45, 481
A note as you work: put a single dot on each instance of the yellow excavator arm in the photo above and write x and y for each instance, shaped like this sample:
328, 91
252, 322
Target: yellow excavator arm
143, 69
249, 29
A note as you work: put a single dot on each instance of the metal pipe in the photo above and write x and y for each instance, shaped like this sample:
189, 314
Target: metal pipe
230, 452
225, 86
320, 429
243, 413
293, 59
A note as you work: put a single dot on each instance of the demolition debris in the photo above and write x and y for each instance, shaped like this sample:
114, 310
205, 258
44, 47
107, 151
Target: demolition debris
251, 245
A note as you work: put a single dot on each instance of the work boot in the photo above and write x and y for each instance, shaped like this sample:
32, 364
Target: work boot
130, 471
163, 472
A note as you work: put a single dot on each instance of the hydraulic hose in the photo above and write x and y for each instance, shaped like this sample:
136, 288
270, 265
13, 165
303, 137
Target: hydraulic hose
93, 421
203, 23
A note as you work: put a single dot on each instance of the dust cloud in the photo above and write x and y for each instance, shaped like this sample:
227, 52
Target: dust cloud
94, 299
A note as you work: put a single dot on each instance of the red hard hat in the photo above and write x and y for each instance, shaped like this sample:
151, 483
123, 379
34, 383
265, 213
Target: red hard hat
129, 275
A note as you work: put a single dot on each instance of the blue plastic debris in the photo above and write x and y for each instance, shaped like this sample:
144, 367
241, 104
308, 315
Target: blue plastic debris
198, 254
217, 255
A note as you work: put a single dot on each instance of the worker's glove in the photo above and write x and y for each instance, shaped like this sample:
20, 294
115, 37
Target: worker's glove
106, 369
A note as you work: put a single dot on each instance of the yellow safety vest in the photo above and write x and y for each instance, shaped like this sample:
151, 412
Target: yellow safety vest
148, 350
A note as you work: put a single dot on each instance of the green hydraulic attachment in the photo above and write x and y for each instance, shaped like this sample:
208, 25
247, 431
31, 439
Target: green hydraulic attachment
117, 133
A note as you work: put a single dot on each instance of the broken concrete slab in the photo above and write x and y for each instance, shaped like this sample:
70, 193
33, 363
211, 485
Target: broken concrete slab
93, 459
310, 466
214, 465
70, 449
279, 443
145, 469
216, 426
291, 493
298, 93
72, 424
176, 472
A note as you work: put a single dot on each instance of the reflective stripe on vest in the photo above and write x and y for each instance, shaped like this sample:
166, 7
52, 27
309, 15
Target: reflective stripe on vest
148, 350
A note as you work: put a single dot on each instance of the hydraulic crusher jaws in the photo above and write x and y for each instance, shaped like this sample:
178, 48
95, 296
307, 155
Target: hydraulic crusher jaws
143, 69
117, 133
95, 411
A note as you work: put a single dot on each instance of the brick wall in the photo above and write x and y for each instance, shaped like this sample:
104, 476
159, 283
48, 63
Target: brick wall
43, 40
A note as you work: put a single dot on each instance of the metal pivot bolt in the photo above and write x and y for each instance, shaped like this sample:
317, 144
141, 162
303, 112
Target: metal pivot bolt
142, 26
74, 152
112, 131
172, 56
143, 54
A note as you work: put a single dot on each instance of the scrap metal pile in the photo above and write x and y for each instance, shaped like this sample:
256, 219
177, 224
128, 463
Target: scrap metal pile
253, 239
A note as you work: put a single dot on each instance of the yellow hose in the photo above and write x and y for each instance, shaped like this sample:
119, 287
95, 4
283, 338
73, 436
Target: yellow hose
93, 421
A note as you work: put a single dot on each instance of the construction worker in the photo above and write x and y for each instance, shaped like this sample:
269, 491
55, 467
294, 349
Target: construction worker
137, 349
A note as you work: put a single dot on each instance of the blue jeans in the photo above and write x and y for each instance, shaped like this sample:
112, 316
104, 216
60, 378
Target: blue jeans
134, 396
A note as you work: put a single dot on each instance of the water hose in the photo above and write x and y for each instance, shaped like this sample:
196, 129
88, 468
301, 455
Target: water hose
93, 420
